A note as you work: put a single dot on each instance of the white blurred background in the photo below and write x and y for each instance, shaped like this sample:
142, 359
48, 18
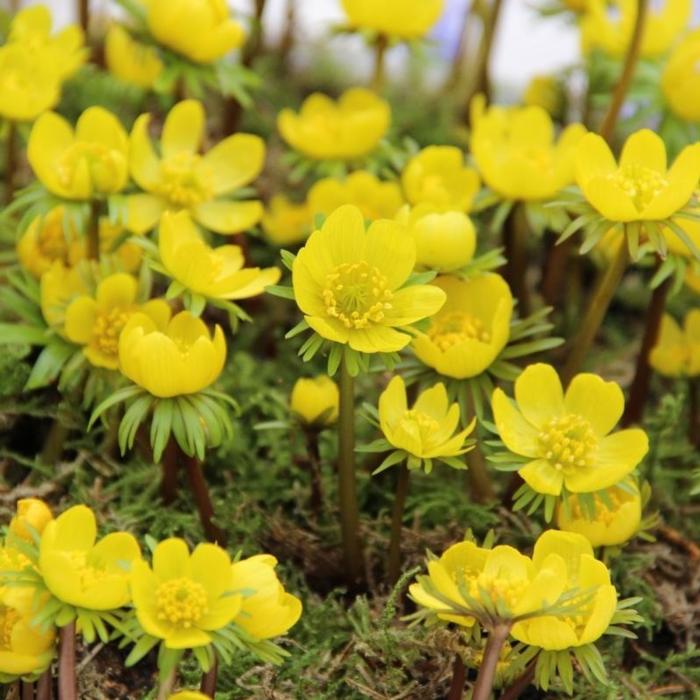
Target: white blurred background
526, 45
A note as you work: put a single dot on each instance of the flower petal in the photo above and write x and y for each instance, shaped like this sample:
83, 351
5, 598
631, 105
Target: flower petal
235, 161
81, 315
143, 212
542, 477
223, 216
518, 434
646, 149
183, 129
539, 394
601, 403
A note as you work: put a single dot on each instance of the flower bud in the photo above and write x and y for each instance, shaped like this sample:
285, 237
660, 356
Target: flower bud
315, 401
32, 514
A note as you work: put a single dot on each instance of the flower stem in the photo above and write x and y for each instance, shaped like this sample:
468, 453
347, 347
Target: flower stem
380, 46
10, 160
555, 270
487, 672
459, 674
608, 280
314, 462
460, 56
84, 15
287, 41
208, 685
515, 235
166, 685
93, 232
514, 691
53, 444
694, 411
27, 690
607, 127
478, 478
347, 486
202, 498
639, 390
67, 680
170, 464
394, 565
44, 686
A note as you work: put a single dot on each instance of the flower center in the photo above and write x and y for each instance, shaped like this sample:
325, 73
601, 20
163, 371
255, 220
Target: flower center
8, 619
426, 425
52, 240
455, 327
181, 602
569, 443
90, 572
640, 184
357, 294
108, 326
183, 181
509, 591
105, 166
603, 514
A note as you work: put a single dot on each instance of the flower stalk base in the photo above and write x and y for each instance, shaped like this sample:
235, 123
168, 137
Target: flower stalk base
394, 564
67, 679
487, 672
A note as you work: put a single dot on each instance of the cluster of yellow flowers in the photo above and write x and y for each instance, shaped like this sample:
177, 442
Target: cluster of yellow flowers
56, 572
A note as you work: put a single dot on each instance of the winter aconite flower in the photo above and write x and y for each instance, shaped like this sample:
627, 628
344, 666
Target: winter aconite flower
97, 322
214, 273
427, 430
641, 187
31, 517
617, 516
374, 198
470, 330
81, 572
502, 575
583, 572
677, 350
567, 436
404, 19
183, 597
79, 165
315, 401
130, 60
680, 81
181, 178
349, 283
344, 130
200, 30
610, 28
25, 649
173, 359
267, 610
438, 176
188, 695
60, 285
285, 222
516, 152
445, 240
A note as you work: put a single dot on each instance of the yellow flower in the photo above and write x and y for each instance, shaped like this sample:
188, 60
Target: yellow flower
437, 176
173, 360
680, 81
32, 516
315, 400
516, 153
215, 273
79, 571
677, 351
344, 130
374, 198
427, 429
129, 60
641, 187
445, 241
612, 524
567, 436
97, 322
470, 330
348, 282
502, 574
583, 572
28, 84
201, 30
183, 597
188, 695
63, 52
286, 223
405, 19
546, 92
46, 241
25, 649
59, 286
610, 29
79, 165
267, 610
183, 179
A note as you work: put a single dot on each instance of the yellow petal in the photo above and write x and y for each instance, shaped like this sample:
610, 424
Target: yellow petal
328, 328
118, 290
171, 559
593, 159
539, 394
542, 477
378, 339
143, 161
610, 199
235, 161
414, 303
518, 434
392, 404
183, 129
646, 149
601, 403
143, 212
682, 180
81, 315
50, 138
98, 125
228, 217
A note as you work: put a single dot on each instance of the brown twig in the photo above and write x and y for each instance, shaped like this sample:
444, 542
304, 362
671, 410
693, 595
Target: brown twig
674, 537
380, 46
67, 679
639, 390
607, 127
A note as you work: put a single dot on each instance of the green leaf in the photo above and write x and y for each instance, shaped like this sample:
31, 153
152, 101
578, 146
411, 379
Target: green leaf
280, 290
140, 649
390, 460
20, 334
49, 364
119, 396
161, 424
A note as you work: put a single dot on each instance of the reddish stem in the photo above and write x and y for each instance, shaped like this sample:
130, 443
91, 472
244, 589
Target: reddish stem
67, 680
208, 686
202, 498
459, 675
